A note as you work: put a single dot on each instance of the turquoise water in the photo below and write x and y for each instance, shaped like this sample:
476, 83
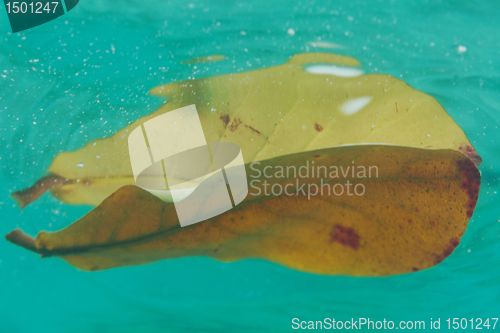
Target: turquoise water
121, 49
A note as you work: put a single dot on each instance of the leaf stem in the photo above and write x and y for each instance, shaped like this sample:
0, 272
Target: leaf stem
21, 239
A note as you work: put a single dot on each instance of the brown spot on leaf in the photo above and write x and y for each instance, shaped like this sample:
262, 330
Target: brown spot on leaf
415, 269
470, 152
225, 119
471, 182
318, 127
253, 129
448, 250
234, 125
316, 156
346, 236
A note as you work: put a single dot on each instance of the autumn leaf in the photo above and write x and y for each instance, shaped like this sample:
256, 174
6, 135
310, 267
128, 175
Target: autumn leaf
413, 211
270, 112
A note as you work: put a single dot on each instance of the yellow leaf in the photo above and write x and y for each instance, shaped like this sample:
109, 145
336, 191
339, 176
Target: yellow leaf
271, 112
412, 214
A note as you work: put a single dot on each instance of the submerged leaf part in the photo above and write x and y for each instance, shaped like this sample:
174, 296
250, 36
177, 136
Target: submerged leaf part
411, 215
273, 112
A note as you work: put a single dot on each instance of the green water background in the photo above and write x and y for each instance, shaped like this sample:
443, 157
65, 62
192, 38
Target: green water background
87, 73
